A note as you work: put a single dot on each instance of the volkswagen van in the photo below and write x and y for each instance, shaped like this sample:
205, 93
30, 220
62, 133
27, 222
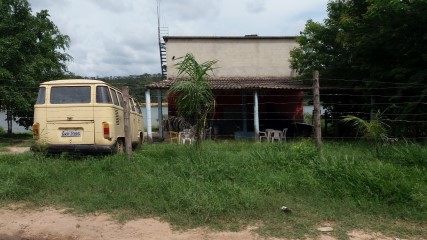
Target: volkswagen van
85, 116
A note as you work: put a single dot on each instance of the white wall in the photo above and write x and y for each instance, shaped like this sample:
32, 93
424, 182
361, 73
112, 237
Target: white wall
15, 127
237, 57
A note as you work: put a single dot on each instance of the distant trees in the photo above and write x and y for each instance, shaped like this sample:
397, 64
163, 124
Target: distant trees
136, 83
31, 51
375, 51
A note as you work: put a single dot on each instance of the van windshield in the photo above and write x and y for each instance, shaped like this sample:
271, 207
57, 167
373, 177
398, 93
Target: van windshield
69, 94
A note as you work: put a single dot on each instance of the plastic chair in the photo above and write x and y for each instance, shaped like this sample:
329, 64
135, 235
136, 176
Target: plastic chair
186, 136
263, 135
269, 131
285, 130
276, 135
173, 136
207, 134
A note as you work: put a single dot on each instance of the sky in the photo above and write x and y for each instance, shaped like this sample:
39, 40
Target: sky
120, 38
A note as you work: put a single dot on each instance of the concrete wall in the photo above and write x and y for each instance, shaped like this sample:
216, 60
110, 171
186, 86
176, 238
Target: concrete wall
237, 57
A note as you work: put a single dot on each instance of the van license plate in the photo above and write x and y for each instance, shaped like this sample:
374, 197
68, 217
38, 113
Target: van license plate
70, 133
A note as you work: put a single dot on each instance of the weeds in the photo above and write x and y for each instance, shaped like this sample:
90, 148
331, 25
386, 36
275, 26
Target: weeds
232, 184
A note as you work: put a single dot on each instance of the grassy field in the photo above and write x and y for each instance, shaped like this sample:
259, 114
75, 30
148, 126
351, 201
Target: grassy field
230, 185
17, 140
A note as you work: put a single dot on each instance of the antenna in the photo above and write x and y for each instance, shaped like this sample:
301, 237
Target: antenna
162, 31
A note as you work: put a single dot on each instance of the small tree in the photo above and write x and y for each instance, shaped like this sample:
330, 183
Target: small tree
195, 99
375, 130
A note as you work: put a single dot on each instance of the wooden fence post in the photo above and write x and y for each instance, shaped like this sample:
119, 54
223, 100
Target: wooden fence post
316, 111
128, 133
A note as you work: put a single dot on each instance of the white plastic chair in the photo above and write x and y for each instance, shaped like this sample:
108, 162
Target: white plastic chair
269, 131
276, 135
263, 135
285, 130
186, 136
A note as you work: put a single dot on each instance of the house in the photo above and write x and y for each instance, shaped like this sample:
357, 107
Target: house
251, 81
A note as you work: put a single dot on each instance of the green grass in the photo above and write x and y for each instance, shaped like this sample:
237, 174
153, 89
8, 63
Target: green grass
16, 139
230, 185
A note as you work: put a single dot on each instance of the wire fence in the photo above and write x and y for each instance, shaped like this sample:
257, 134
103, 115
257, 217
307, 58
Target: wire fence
402, 105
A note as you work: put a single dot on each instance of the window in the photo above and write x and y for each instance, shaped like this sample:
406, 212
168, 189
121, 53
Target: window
64, 95
120, 99
115, 100
41, 96
138, 108
103, 94
132, 105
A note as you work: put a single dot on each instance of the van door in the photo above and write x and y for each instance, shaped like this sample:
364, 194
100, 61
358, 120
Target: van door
70, 117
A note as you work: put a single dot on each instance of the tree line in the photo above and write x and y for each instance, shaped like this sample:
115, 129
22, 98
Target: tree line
372, 57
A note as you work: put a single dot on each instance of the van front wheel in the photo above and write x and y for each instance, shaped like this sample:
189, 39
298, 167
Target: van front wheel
119, 146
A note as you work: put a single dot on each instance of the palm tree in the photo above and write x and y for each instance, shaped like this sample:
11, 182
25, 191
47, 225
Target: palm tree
195, 99
375, 130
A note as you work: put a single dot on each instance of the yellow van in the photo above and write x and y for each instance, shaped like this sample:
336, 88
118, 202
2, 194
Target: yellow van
85, 116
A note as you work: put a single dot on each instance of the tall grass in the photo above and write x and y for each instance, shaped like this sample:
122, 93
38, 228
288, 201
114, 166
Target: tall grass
230, 184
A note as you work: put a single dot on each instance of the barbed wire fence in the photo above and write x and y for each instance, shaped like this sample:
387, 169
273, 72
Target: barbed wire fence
403, 107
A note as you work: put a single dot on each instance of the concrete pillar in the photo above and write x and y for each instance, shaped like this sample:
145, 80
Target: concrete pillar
256, 116
148, 109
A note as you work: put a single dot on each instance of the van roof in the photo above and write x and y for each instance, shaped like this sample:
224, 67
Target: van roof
73, 81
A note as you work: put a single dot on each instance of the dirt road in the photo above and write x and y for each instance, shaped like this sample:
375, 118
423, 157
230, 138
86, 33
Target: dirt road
51, 224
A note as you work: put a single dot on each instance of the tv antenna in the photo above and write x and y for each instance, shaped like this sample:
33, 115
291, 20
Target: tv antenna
162, 31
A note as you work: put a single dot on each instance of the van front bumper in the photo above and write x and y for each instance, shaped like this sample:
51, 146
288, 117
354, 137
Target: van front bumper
84, 148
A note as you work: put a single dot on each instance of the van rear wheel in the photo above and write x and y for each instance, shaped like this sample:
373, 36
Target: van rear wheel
140, 140
119, 146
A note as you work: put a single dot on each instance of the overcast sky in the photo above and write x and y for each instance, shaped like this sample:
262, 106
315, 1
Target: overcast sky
116, 38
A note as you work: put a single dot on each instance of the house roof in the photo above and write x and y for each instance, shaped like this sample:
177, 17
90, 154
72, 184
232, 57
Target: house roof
236, 83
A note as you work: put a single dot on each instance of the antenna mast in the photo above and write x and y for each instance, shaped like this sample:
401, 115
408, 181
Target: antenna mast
162, 31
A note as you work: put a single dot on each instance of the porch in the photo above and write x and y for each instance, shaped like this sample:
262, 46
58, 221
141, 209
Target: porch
244, 106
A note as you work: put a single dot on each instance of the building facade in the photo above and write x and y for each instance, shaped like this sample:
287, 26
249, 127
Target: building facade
251, 81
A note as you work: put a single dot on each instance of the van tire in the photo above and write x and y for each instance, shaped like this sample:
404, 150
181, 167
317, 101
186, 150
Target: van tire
120, 146
140, 141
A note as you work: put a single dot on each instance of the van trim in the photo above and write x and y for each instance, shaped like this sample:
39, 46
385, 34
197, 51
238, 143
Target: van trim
57, 148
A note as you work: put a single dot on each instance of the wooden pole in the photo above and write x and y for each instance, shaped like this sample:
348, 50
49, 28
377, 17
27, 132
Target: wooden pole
128, 133
316, 111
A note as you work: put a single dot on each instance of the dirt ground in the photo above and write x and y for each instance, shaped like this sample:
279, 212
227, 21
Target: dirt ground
52, 224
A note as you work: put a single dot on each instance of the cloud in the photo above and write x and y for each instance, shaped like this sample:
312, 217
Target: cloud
110, 37
189, 10
255, 6
113, 5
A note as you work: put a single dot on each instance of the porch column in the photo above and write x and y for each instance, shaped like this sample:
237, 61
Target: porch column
244, 113
148, 109
256, 116
160, 111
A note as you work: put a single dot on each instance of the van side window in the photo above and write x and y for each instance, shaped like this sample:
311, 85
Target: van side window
70, 94
115, 100
121, 99
41, 96
138, 108
132, 105
103, 94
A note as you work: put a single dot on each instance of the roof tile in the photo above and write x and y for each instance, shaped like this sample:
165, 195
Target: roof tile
234, 83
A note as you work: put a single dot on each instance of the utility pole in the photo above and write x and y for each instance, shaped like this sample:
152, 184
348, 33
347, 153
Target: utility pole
316, 111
